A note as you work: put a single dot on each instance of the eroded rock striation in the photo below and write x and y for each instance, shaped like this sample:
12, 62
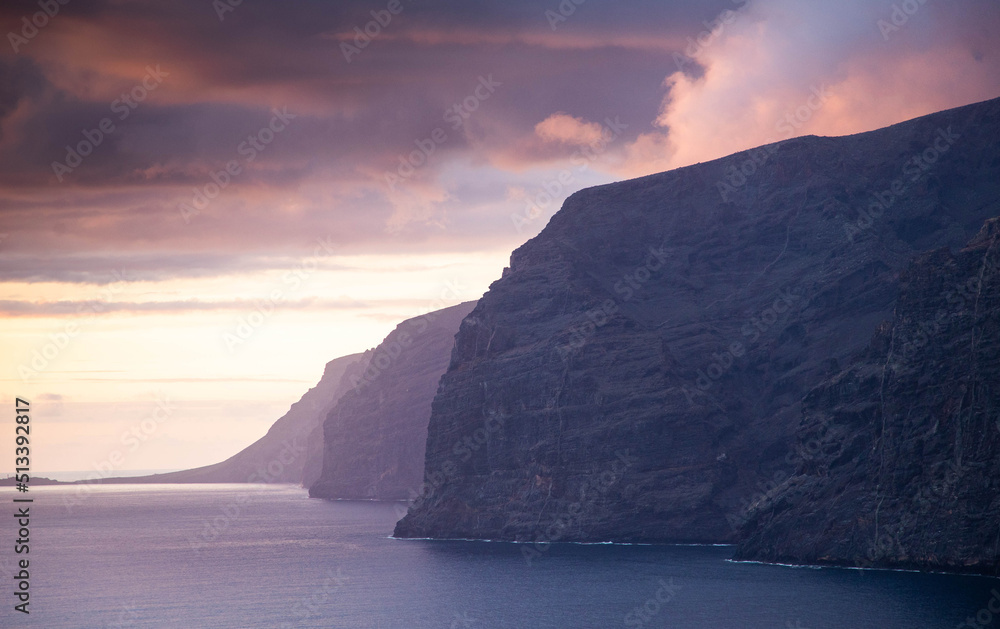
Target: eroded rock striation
899, 453
374, 437
637, 373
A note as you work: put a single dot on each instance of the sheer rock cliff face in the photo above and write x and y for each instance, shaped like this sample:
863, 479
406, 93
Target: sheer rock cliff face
313, 466
899, 454
374, 437
637, 372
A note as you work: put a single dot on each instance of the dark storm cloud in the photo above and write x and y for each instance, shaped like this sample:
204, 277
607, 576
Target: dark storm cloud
324, 174
225, 76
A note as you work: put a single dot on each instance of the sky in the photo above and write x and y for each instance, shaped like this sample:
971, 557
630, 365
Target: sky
202, 202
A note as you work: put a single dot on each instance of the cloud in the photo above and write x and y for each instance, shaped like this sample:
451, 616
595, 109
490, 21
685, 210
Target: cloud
103, 269
325, 174
16, 308
759, 72
662, 42
561, 127
512, 159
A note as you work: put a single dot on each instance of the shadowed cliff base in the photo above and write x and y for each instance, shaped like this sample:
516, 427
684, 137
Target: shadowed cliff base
899, 453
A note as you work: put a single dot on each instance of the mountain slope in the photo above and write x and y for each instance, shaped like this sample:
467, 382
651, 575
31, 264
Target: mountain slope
290, 452
374, 437
637, 372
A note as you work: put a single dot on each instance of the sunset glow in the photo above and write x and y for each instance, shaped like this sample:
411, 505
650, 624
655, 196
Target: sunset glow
257, 204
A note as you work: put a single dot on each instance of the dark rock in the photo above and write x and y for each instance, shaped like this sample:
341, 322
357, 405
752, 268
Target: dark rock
899, 454
637, 372
313, 467
10, 481
375, 436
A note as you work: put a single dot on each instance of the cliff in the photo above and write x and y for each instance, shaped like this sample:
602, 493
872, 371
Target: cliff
899, 454
374, 437
637, 373
292, 446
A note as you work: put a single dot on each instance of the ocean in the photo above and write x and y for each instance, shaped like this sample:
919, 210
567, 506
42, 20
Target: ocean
221, 556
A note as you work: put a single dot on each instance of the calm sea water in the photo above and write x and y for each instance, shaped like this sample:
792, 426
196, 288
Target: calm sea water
181, 556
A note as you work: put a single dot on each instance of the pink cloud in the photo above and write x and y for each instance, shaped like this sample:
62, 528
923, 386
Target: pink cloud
781, 69
561, 127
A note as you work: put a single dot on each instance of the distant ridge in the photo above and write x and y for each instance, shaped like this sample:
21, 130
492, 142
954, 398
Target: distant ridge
375, 436
290, 452
374, 406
